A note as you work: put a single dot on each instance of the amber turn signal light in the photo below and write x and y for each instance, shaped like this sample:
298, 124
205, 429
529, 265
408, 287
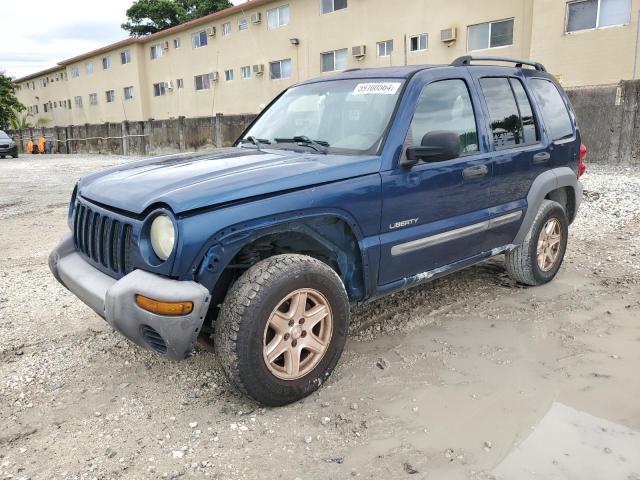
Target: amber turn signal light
171, 309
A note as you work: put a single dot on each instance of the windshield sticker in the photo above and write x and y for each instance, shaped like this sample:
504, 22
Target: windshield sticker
381, 88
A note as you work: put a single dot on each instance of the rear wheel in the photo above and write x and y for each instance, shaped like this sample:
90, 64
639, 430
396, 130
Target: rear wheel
282, 328
537, 260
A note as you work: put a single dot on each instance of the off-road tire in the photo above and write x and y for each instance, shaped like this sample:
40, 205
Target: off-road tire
239, 329
521, 262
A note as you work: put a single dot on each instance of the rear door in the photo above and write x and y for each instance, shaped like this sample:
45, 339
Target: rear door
434, 214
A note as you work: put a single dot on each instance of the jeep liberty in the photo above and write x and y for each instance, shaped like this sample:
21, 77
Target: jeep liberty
344, 189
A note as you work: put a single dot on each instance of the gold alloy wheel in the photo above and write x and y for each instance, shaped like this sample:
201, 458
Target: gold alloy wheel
297, 334
549, 243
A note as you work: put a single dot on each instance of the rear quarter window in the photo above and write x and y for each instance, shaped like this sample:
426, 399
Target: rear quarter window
554, 110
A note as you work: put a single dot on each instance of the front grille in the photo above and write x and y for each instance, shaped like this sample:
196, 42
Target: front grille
153, 339
103, 239
4, 146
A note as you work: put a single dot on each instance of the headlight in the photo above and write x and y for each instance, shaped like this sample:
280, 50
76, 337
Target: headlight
163, 236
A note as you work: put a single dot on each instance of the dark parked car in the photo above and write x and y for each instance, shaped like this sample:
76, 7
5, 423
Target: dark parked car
7, 146
344, 189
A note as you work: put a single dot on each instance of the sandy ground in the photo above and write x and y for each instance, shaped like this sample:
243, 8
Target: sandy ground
470, 376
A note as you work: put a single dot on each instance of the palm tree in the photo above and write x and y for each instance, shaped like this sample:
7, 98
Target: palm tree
21, 122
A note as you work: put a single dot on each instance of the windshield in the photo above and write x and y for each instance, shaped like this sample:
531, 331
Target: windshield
4, 136
339, 116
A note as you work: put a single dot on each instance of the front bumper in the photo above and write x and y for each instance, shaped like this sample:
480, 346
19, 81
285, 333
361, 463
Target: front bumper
114, 300
10, 151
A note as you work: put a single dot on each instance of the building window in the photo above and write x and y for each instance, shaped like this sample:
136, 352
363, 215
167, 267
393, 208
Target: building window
226, 29
89, 68
246, 72
78, 101
336, 60
228, 75
45, 107
176, 43
33, 83
418, 43
199, 39
278, 17
43, 82
490, 35
156, 51
110, 95
385, 49
589, 14
125, 57
180, 83
203, 82
35, 107
75, 72
328, 6
243, 24
106, 63
280, 69
159, 89
93, 99
128, 93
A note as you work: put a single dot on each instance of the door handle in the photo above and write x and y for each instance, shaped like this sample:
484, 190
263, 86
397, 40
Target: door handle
475, 172
541, 157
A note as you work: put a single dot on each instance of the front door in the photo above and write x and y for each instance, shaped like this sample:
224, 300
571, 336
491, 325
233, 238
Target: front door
436, 213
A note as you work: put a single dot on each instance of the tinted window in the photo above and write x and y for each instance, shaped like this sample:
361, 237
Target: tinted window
445, 105
554, 110
529, 131
503, 112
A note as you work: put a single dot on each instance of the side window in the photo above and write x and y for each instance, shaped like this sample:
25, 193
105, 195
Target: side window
506, 127
554, 110
529, 130
445, 105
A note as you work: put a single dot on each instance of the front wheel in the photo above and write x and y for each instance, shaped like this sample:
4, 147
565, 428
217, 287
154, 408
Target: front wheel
537, 260
282, 328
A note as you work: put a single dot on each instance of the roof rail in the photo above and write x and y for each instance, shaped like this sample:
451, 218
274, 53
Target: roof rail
467, 59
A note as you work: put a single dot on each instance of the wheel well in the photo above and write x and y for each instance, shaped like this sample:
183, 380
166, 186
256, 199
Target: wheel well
565, 196
329, 240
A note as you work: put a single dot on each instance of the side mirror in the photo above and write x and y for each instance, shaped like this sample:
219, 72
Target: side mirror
436, 146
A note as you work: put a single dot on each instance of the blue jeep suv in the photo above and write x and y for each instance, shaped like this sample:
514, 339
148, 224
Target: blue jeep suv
346, 188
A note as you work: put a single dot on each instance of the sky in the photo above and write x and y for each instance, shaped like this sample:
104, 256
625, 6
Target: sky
49, 31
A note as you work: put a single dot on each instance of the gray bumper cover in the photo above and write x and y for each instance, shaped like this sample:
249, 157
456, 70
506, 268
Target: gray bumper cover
114, 300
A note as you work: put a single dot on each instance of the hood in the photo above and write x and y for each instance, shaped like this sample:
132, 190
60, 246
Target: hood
187, 182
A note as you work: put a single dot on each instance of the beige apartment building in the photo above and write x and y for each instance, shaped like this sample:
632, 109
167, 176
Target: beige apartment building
237, 60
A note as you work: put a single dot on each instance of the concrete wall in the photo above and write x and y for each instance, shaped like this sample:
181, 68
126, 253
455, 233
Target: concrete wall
152, 137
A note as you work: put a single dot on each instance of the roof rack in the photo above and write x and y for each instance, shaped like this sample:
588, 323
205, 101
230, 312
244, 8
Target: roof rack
467, 59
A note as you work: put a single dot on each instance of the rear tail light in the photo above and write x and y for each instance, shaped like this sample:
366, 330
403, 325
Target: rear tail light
582, 167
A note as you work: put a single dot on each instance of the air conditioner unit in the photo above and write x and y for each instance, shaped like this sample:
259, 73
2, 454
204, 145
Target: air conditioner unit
214, 76
359, 51
256, 17
211, 31
165, 45
448, 34
169, 84
258, 69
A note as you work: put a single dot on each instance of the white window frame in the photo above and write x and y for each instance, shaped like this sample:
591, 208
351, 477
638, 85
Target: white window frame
226, 29
180, 83
177, 43
489, 47
110, 96
156, 51
162, 89
199, 36
88, 67
597, 27
93, 99
418, 36
245, 72
243, 23
271, 77
77, 100
228, 75
335, 66
127, 93
277, 12
106, 62
75, 72
386, 43
333, 7
126, 56
204, 76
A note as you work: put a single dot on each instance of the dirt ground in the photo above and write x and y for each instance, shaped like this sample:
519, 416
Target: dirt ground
470, 376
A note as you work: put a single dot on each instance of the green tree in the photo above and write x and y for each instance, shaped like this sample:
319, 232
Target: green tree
21, 122
151, 16
10, 106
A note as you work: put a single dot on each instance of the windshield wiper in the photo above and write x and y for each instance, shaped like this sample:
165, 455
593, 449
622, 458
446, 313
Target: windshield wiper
255, 141
317, 145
